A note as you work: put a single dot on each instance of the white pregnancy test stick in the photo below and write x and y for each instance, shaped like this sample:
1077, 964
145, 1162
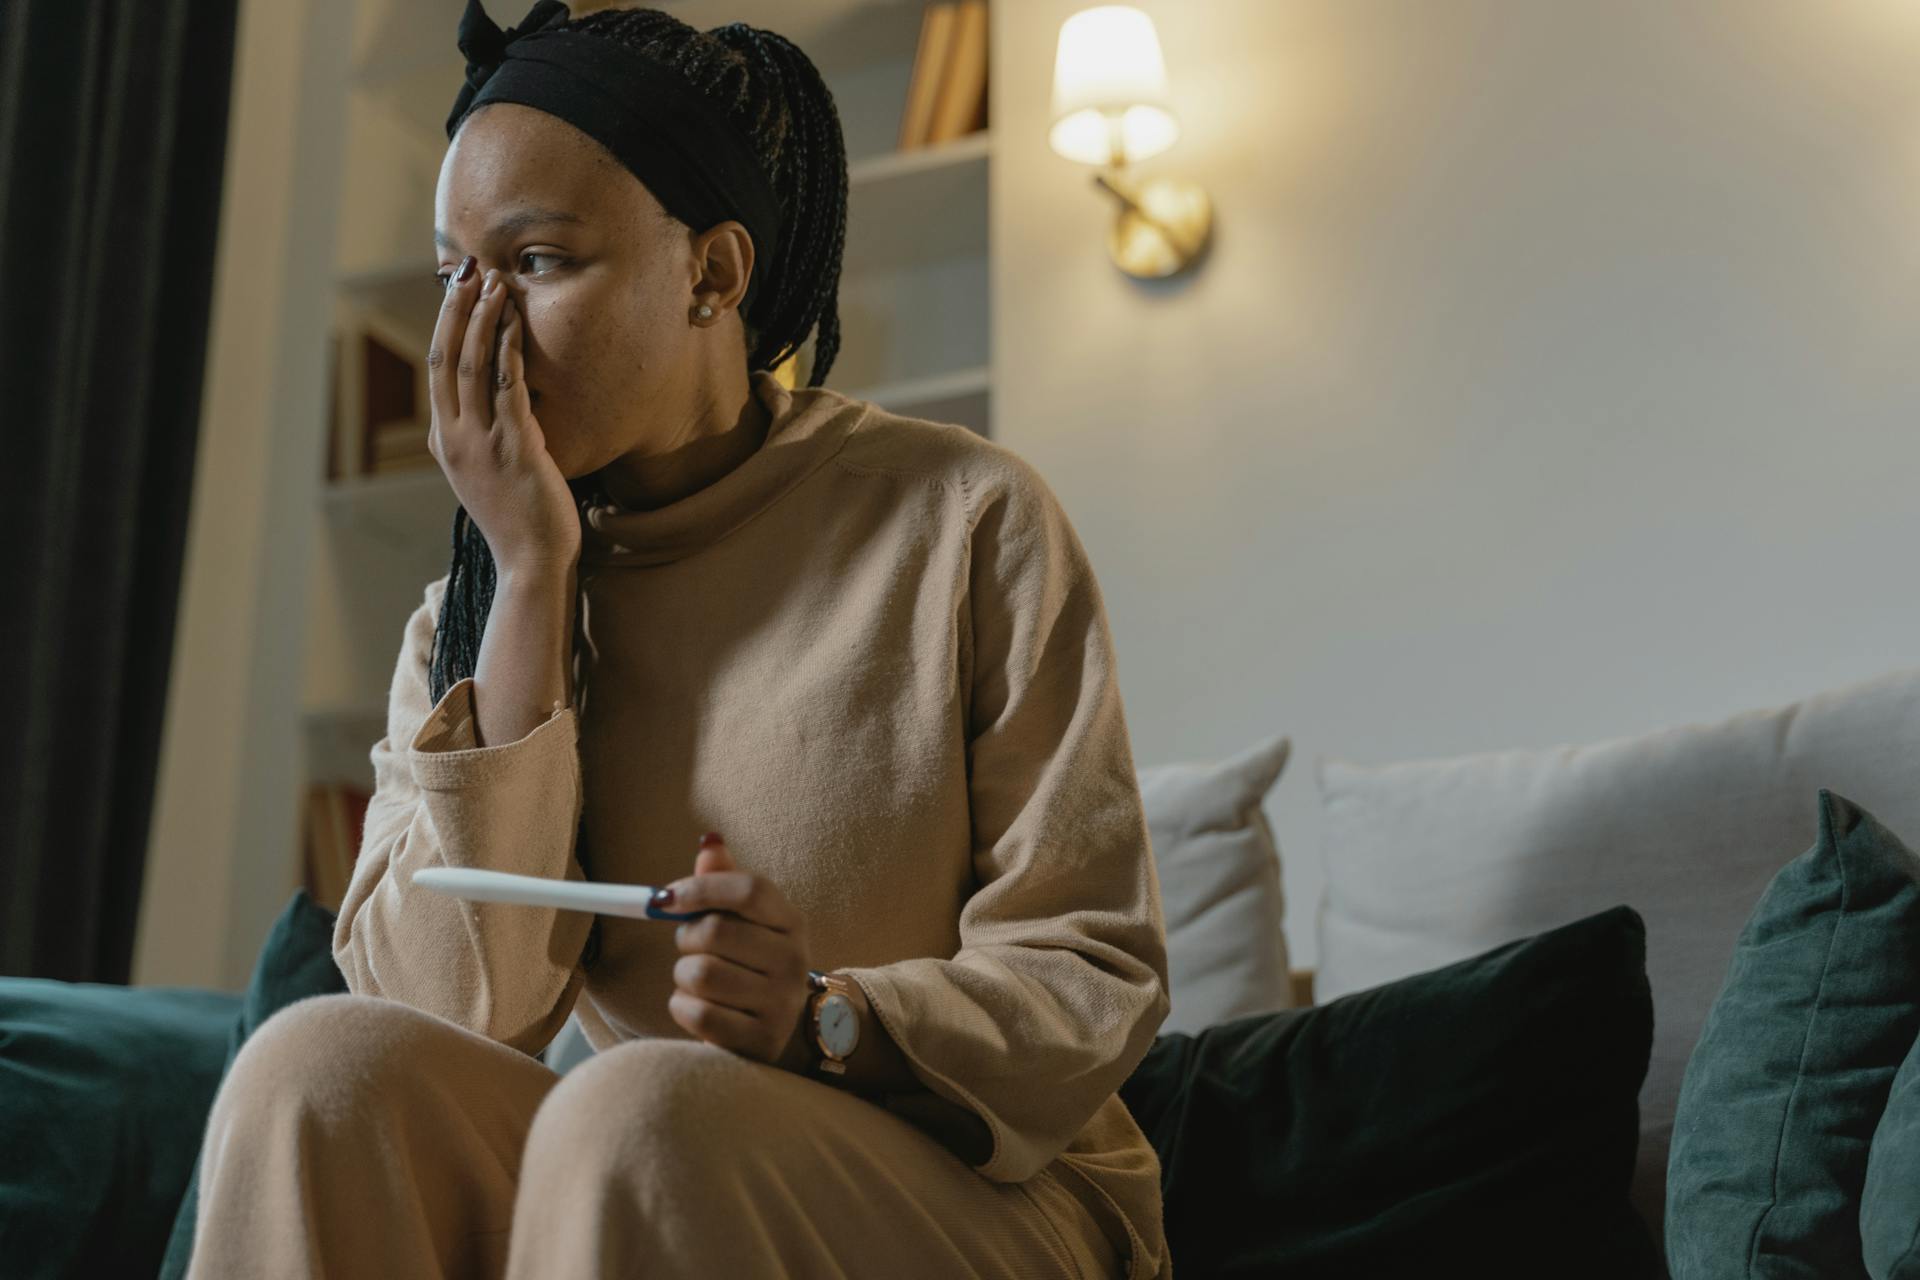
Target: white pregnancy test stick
543, 891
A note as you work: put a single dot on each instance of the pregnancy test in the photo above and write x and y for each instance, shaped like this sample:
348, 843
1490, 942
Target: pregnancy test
482, 885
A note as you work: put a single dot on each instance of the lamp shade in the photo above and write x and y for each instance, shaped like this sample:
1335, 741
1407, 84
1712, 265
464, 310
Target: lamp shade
1110, 88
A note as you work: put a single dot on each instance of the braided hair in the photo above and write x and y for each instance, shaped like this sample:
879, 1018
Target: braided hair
763, 82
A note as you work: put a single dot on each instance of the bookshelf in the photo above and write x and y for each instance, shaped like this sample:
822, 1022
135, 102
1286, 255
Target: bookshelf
913, 304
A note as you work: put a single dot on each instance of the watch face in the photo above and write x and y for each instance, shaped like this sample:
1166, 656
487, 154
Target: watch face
839, 1025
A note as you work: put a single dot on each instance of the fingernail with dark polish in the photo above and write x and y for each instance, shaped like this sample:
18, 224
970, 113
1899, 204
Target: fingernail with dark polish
466, 268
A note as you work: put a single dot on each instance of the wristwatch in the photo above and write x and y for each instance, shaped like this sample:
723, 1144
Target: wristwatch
833, 1021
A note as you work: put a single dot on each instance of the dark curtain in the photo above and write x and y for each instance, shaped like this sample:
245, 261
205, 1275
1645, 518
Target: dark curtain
113, 136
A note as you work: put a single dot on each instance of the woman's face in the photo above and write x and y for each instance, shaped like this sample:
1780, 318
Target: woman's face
605, 281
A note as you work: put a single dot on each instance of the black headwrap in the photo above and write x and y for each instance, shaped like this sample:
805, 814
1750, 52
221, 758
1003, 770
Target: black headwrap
690, 155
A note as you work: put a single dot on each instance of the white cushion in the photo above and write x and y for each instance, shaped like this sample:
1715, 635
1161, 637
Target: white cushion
1431, 861
1219, 870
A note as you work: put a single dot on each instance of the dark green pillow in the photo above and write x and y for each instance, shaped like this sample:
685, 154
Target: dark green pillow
1482, 1116
99, 1084
1890, 1201
1783, 1091
296, 961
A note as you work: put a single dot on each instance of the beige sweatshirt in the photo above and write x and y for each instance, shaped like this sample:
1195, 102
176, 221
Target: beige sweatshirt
875, 657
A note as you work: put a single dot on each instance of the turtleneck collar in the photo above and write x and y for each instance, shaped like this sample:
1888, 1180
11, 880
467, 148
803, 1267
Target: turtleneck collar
807, 426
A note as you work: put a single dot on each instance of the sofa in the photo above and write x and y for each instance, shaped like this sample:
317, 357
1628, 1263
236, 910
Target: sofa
1581, 907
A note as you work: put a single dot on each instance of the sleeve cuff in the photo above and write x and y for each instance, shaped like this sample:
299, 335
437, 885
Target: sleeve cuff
882, 999
445, 754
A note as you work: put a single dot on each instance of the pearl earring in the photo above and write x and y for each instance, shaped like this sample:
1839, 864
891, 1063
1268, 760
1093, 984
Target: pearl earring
706, 312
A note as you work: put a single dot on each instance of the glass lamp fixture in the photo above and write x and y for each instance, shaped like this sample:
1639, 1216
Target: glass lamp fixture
1110, 108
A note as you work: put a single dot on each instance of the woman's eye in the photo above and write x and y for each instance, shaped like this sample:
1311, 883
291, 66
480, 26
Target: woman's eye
444, 278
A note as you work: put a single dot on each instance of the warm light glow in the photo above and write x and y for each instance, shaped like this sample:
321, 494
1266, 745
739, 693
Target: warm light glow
1110, 88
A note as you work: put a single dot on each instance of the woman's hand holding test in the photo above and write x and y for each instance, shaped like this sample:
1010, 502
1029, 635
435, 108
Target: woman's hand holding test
742, 980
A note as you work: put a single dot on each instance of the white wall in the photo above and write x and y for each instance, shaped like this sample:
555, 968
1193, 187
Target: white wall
223, 851
1553, 376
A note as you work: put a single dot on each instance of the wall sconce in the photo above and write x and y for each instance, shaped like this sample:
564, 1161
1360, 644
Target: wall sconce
1110, 108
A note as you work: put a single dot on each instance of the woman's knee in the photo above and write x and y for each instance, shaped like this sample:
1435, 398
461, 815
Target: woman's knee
652, 1096
329, 1050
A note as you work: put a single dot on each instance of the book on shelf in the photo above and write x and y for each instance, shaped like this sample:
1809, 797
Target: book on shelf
401, 446
336, 823
947, 94
378, 397
406, 466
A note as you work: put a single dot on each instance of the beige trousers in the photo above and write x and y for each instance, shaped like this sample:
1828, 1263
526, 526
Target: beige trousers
359, 1137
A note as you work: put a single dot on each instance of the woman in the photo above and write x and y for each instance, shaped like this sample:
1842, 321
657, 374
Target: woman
868, 648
